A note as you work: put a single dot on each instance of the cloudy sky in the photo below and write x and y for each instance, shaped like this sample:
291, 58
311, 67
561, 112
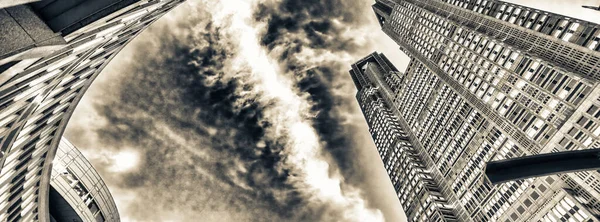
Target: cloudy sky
241, 110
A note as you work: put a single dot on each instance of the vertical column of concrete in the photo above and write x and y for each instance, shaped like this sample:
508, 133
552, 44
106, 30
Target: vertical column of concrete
10, 3
24, 35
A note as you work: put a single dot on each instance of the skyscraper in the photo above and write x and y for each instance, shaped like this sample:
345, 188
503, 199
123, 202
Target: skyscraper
407, 165
488, 80
77, 191
48, 59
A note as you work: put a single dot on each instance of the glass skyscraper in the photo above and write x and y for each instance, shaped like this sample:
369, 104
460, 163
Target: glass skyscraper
487, 80
77, 191
48, 59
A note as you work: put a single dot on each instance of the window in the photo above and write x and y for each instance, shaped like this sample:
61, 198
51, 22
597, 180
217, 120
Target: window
100, 217
592, 110
514, 216
534, 195
542, 187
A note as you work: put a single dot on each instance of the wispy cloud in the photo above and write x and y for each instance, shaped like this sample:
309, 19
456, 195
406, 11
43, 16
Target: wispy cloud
288, 110
234, 116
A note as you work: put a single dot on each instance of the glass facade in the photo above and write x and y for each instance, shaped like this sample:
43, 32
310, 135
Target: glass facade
488, 80
76, 180
38, 95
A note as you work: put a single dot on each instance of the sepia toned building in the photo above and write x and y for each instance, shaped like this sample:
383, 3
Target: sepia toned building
77, 191
51, 52
487, 80
417, 185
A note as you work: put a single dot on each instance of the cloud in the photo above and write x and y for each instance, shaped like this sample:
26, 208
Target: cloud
124, 161
238, 111
315, 42
121, 161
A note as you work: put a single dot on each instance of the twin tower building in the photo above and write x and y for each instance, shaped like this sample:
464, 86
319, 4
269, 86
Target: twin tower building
50, 52
487, 80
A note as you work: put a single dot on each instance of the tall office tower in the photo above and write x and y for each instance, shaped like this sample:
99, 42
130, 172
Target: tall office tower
490, 80
65, 45
415, 180
77, 191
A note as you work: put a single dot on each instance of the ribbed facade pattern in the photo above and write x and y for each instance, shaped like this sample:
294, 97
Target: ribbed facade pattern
489, 80
37, 97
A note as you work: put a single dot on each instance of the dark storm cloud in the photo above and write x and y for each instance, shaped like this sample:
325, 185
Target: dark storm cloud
293, 27
325, 37
311, 19
203, 130
184, 91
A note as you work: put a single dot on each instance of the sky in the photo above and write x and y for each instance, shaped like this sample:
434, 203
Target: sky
240, 111
243, 110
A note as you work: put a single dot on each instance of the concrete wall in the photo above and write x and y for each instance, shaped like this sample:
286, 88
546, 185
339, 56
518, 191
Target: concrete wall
24, 35
10, 3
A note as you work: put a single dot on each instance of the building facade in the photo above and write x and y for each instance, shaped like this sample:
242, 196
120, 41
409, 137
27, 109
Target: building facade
67, 44
488, 80
77, 191
418, 187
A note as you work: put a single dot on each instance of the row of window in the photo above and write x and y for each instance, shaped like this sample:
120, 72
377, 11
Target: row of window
584, 133
566, 210
427, 107
476, 84
569, 57
403, 165
561, 27
530, 93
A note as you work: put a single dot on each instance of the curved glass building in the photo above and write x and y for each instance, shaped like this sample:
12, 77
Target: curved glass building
77, 191
51, 52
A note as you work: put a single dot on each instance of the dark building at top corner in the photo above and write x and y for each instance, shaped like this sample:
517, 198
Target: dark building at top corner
33, 29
